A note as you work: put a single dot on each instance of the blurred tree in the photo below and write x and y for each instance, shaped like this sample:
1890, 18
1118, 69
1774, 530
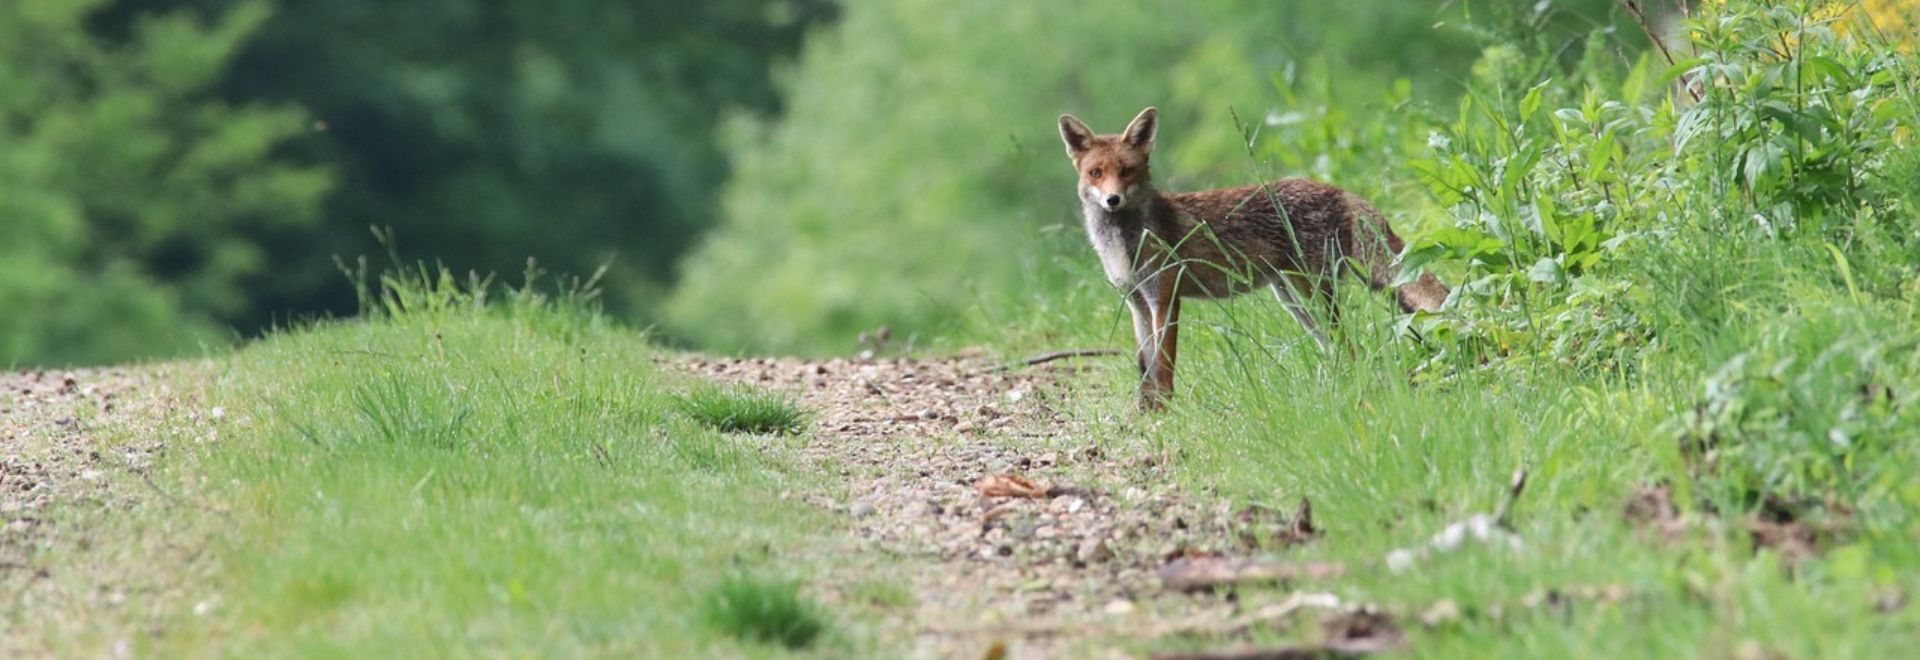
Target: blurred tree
127, 188
485, 132
918, 175
919, 169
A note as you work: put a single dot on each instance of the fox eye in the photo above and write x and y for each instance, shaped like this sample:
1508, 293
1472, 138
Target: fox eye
1093, 173
1126, 171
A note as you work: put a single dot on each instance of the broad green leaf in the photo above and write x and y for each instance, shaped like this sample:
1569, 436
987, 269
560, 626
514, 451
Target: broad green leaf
1530, 103
1547, 271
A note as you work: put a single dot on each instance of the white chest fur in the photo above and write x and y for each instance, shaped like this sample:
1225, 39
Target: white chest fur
1115, 247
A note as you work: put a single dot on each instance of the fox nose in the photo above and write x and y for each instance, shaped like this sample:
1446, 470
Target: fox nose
1113, 201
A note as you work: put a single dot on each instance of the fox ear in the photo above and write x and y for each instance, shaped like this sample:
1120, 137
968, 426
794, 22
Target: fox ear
1076, 134
1141, 130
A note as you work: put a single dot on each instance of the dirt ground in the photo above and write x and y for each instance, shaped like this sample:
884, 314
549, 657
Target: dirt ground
1015, 531
75, 450
1091, 567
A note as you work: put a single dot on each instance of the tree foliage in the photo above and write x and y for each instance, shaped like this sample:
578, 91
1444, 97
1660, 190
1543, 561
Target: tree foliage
485, 132
918, 173
127, 188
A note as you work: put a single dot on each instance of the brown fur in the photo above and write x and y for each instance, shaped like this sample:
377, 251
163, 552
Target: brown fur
1294, 236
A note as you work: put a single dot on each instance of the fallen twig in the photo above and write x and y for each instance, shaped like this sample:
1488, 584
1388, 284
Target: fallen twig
1501, 516
1307, 652
1206, 573
1494, 529
1357, 632
1044, 358
1269, 615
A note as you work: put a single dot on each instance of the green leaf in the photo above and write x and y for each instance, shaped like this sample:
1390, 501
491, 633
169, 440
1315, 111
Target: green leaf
1530, 103
1760, 162
1598, 156
1549, 218
1439, 181
1680, 68
1846, 271
1414, 261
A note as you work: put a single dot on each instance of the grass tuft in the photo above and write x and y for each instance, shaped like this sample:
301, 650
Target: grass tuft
742, 410
764, 611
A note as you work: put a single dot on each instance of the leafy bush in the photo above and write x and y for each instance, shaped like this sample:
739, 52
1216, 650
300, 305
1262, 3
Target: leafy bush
1819, 407
1613, 209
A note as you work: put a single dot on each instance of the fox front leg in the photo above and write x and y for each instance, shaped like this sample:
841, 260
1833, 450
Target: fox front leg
1158, 345
1146, 354
1142, 332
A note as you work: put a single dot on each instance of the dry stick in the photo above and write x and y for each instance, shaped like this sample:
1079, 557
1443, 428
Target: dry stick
1514, 488
146, 477
1277, 653
176, 500
1044, 358
1640, 17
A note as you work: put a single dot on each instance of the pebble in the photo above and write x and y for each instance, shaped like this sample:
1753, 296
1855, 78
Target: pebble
1093, 551
1049, 563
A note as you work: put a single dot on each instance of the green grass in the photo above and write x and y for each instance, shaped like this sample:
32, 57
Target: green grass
742, 410
1745, 337
1735, 317
761, 610
1388, 461
516, 480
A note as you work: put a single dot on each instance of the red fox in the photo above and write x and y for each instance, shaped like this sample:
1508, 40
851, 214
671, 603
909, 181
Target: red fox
1289, 236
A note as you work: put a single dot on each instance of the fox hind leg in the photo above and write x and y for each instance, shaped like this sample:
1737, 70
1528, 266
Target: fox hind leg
1289, 290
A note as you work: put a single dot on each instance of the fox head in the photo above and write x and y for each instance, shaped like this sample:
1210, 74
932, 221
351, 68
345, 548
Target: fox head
1113, 168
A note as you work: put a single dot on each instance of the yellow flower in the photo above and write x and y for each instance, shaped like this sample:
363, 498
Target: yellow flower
1896, 19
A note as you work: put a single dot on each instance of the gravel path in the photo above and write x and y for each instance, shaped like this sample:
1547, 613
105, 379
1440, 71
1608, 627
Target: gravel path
74, 449
1078, 572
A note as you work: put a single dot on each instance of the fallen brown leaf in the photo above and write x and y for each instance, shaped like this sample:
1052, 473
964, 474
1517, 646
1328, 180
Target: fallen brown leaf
1361, 631
1793, 540
1262, 525
1011, 485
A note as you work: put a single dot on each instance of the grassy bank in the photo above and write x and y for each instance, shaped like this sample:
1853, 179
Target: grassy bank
457, 478
1389, 463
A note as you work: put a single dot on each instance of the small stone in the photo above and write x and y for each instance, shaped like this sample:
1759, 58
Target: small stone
1093, 551
1120, 607
1889, 601
1444, 612
861, 509
1400, 560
